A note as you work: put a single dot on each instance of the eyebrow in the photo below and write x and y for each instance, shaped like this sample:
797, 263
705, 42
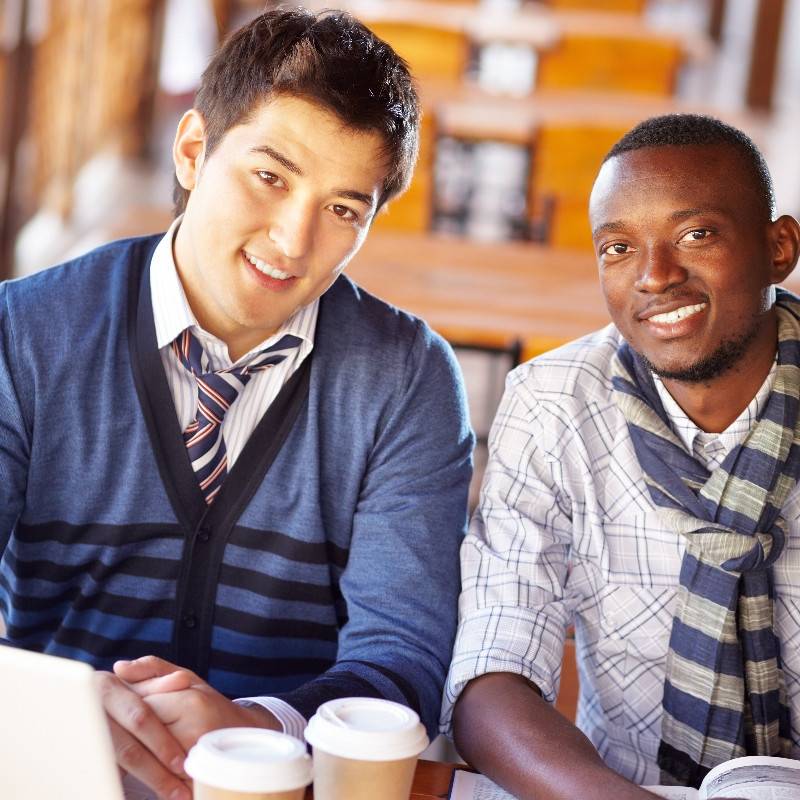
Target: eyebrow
685, 213
616, 226
609, 227
351, 194
348, 194
279, 157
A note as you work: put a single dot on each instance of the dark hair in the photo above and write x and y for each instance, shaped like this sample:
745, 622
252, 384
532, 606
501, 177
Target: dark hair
679, 130
328, 58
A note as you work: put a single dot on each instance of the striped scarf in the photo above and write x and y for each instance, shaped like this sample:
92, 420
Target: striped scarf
724, 693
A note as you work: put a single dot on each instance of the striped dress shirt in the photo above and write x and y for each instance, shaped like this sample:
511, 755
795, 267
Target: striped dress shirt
566, 533
172, 315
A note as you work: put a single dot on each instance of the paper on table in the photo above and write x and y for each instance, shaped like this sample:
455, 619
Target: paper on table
673, 792
472, 786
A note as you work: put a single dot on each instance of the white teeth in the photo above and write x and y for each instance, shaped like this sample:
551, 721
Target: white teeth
671, 317
262, 266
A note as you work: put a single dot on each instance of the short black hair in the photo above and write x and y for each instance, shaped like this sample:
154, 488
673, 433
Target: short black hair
328, 58
678, 130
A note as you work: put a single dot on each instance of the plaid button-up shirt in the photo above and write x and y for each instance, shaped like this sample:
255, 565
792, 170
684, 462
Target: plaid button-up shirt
566, 533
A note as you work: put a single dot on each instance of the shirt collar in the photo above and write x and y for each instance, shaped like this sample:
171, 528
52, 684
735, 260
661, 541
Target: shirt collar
172, 313
733, 435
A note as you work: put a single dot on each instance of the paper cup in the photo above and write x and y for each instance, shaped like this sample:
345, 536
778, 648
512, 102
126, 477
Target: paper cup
248, 764
364, 748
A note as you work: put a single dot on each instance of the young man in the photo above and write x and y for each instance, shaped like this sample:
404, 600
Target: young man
642, 486
225, 470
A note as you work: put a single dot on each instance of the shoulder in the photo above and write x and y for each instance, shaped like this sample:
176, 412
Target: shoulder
570, 378
380, 334
71, 288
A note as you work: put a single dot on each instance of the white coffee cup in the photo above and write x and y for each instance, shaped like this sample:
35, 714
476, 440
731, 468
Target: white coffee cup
364, 748
248, 764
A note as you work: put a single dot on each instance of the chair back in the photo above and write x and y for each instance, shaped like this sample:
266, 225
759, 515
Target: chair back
611, 63
625, 6
565, 160
412, 211
431, 51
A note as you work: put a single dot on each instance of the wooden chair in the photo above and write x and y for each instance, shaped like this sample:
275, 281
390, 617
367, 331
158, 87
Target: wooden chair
431, 51
613, 62
565, 159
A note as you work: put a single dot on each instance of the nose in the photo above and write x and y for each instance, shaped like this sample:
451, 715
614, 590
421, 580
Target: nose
291, 227
659, 270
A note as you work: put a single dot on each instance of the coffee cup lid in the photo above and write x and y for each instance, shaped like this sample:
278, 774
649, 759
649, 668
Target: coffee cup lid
249, 760
366, 729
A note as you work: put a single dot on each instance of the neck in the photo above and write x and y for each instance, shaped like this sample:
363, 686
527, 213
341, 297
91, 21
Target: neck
715, 404
238, 338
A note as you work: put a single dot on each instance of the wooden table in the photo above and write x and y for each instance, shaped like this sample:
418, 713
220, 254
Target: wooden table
431, 782
483, 293
469, 112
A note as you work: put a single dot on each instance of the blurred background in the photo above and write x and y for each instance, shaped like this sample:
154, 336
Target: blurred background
521, 98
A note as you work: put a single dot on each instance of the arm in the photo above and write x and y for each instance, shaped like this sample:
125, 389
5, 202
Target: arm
14, 429
402, 576
504, 728
515, 605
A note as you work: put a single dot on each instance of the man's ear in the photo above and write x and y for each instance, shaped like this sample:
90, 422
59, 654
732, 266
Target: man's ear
784, 240
188, 150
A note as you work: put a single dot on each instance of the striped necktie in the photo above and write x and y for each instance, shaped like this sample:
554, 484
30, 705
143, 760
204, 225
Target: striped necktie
216, 393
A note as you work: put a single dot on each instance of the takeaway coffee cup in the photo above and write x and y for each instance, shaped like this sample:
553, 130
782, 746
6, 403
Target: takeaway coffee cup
248, 764
364, 748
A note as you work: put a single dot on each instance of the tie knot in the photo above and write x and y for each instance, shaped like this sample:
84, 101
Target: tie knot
193, 357
216, 392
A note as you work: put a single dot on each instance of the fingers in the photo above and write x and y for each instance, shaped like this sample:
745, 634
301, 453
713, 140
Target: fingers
173, 682
134, 758
142, 743
191, 713
175, 710
142, 669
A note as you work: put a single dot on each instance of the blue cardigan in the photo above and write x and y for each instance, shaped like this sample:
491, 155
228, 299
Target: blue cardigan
328, 565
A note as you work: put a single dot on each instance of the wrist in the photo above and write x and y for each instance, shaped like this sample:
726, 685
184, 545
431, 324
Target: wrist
261, 718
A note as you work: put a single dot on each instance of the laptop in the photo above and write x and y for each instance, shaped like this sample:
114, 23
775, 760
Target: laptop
54, 739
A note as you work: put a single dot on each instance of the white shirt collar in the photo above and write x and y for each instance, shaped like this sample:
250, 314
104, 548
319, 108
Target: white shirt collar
732, 436
172, 313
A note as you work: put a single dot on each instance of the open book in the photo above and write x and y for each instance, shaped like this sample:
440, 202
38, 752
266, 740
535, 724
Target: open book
746, 778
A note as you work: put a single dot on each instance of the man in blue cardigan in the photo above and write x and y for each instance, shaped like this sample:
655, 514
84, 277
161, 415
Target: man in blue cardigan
226, 472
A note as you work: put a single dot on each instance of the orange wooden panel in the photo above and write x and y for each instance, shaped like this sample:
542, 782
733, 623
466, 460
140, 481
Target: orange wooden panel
565, 161
628, 6
431, 51
609, 62
567, 702
412, 211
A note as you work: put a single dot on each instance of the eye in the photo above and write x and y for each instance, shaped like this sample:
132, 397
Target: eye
696, 235
345, 213
615, 249
270, 178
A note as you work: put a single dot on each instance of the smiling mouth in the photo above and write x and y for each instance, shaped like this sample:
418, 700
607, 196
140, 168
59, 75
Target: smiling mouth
266, 269
671, 317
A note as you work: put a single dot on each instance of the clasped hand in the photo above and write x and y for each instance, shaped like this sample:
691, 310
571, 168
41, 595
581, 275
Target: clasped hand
157, 711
